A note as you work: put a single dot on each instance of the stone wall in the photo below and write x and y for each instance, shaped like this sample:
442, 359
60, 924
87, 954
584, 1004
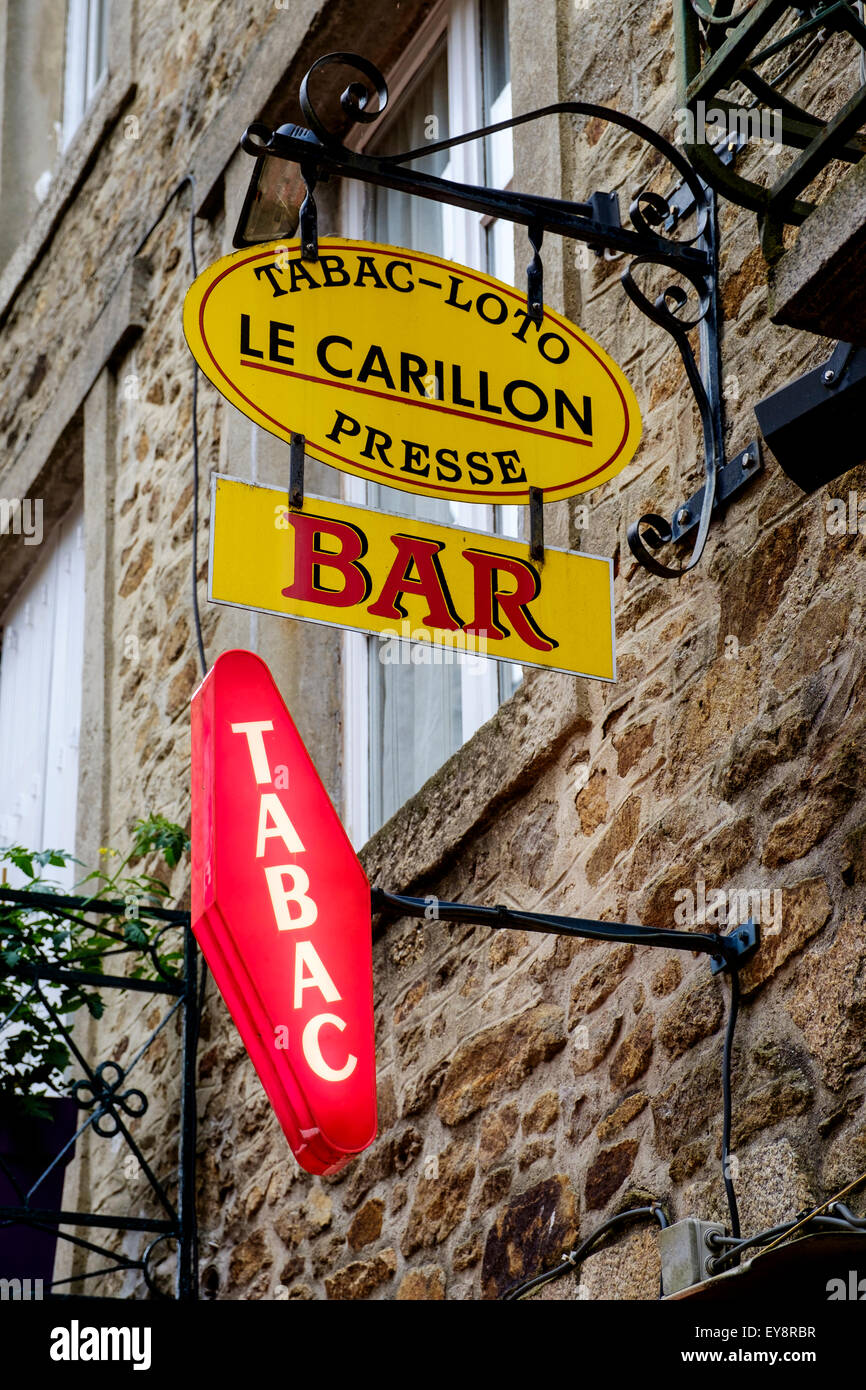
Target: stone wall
529, 1086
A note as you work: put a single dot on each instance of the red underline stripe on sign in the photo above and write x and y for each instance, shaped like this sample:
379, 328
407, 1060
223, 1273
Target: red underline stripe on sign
425, 405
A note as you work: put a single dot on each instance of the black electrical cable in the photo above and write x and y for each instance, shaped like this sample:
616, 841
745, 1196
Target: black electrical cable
727, 1103
188, 180
574, 1257
834, 1223
730, 1256
832, 1215
736, 1246
819, 1222
858, 1222
195, 483
199, 1009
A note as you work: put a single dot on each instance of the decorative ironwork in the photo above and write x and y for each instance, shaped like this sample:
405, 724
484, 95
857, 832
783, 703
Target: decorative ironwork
320, 153
105, 1094
99, 1091
721, 44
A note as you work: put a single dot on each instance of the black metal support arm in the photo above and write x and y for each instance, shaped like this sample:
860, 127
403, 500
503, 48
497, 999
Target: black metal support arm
690, 302
597, 222
726, 952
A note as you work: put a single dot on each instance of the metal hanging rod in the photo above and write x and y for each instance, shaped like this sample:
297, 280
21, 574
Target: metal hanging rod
726, 952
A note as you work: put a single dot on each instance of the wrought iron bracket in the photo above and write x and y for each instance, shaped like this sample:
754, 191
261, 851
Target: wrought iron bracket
101, 1091
727, 952
536, 525
690, 302
836, 365
730, 481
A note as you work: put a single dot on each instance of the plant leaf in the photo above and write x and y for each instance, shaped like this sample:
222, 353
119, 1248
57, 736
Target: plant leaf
134, 932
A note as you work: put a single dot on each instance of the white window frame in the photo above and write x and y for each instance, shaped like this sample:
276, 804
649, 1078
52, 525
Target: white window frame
41, 686
459, 22
87, 24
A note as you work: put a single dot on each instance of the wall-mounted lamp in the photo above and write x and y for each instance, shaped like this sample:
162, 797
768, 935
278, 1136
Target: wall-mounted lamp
276, 188
814, 425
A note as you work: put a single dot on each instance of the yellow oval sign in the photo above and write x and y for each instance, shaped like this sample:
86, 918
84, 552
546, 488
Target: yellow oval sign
412, 371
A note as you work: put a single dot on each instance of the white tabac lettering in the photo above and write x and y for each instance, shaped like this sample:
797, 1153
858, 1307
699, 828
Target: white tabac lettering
313, 1052
272, 809
293, 907
315, 976
281, 896
255, 730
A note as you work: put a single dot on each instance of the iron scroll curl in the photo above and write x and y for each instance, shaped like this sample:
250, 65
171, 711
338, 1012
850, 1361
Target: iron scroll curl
255, 139
102, 1090
355, 101
355, 98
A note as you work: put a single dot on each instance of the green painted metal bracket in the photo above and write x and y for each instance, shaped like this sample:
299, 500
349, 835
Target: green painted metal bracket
717, 49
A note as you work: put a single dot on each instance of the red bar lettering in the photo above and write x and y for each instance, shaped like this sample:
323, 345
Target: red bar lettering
491, 603
311, 560
428, 582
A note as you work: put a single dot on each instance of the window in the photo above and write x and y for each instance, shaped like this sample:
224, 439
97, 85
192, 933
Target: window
31, 88
53, 61
404, 720
41, 669
86, 60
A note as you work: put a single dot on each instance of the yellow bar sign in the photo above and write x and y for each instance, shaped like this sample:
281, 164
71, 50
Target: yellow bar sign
405, 579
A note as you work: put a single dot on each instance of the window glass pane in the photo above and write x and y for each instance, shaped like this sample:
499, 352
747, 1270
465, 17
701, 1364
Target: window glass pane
500, 251
75, 79
422, 707
495, 58
415, 709
97, 44
398, 219
496, 87
40, 701
32, 48
499, 236
415, 722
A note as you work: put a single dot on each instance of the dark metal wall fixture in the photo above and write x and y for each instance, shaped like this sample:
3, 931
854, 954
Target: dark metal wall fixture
268, 213
720, 45
727, 951
828, 403
108, 1100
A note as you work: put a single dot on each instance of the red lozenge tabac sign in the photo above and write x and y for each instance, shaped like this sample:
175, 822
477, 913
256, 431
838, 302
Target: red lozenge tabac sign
281, 909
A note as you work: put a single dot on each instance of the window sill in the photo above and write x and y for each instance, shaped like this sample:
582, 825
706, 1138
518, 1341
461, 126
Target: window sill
75, 165
499, 762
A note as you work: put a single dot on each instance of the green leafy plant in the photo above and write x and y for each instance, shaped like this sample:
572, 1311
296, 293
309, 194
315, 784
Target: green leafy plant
33, 1056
